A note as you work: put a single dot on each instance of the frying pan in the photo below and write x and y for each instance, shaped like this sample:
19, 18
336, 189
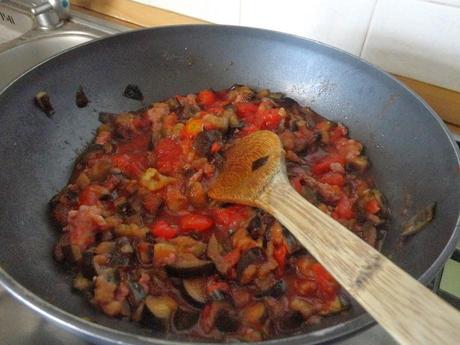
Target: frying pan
415, 162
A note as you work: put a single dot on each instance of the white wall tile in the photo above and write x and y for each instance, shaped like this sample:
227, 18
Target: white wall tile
417, 39
336, 22
445, 2
220, 12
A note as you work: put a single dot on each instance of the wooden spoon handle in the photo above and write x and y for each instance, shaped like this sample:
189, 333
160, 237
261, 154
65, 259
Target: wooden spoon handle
410, 312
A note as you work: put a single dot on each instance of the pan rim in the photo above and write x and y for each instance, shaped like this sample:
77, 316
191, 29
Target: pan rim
105, 334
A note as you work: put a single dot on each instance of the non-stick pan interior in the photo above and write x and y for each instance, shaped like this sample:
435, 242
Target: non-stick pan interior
414, 161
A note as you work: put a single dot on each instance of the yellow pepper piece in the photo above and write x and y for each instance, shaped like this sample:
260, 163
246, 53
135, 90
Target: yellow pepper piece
153, 180
193, 127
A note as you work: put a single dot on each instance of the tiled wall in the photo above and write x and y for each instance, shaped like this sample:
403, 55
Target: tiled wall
419, 39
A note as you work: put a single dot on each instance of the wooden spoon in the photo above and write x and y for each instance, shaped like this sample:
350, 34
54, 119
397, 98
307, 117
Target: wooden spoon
255, 174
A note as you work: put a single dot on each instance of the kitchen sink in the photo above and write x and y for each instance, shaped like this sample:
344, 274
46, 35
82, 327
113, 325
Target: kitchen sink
33, 31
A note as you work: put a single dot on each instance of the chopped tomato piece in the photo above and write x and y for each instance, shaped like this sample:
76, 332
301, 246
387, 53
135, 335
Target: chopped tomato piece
195, 222
131, 165
231, 217
271, 119
168, 154
337, 133
248, 129
295, 182
344, 208
333, 178
327, 285
152, 201
216, 147
88, 196
372, 206
324, 165
142, 122
232, 257
213, 285
280, 255
206, 98
169, 120
137, 143
246, 109
162, 229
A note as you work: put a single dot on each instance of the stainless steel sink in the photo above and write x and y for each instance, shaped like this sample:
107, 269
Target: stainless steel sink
33, 31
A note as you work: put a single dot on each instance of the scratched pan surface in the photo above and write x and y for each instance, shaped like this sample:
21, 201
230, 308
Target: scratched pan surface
414, 160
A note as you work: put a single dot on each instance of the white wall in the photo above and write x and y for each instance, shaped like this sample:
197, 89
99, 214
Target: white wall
414, 38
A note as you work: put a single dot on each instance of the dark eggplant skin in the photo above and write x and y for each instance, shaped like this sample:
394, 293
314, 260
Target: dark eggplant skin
136, 293
149, 320
194, 291
289, 323
134, 92
276, 290
204, 141
87, 266
81, 100
226, 321
251, 256
42, 100
200, 268
185, 319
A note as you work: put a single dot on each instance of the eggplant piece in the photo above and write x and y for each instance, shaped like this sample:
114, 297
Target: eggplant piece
417, 222
157, 311
339, 304
122, 254
218, 295
144, 254
204, 141
148, 319
285, 102
42, 100
276, 290
136, 293
123, 245
226, 321
80, 98
253, 256
255, 227
134, 92
80, 283
87, 266
194, 291
185, 319
292, 244
289, 323
58, 253
105, 117
303, 307
71, 253
190, 267
358, 164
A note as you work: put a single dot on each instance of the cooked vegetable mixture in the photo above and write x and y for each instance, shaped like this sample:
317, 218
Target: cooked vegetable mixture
148, 245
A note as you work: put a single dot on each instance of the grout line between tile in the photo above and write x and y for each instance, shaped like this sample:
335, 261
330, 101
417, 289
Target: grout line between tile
371, 19
435, 2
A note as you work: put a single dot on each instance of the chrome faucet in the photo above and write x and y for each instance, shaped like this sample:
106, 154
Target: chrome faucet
48, 14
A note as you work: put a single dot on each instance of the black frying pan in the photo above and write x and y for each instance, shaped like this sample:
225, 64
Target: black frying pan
415, 162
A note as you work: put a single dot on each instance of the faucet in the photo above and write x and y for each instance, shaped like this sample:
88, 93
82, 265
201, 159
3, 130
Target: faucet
48, 14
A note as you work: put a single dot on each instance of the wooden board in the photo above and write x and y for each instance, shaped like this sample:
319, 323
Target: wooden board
136, 13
